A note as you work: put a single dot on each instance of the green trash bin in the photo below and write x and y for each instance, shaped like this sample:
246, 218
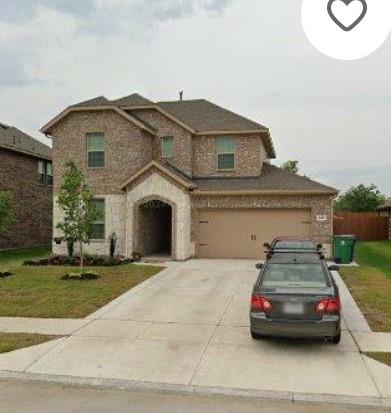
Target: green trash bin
343, 248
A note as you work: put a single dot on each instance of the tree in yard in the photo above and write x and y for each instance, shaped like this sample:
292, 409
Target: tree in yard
5, 210
79, 213
360, 198
291, 166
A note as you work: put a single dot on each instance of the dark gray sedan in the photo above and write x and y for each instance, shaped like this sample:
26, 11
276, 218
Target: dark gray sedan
296, 296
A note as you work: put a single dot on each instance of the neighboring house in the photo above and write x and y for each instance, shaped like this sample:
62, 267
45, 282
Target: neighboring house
385, 211
184, 178
26, 171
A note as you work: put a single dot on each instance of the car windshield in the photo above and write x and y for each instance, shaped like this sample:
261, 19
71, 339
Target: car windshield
294, 244
295, 275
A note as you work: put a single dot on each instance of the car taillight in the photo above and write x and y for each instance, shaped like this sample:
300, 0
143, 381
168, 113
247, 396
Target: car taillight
328, 306
262, 304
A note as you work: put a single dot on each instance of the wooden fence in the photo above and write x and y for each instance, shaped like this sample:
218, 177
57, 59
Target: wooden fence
366, 226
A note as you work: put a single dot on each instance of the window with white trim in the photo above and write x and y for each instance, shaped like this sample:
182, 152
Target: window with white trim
226, 153
45, 171
98, 226
96, 150
167, 146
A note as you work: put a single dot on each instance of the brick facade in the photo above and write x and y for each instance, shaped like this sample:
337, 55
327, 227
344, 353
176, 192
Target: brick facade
182, 139
129, 148
32, 202
249, 156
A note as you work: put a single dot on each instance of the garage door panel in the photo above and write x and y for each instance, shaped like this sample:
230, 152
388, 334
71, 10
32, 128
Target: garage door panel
241, 233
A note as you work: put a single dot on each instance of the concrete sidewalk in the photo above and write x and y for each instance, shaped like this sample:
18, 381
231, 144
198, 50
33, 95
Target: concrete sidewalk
187, 329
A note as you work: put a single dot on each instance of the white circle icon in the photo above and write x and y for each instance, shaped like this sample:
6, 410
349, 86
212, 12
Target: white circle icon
346, 29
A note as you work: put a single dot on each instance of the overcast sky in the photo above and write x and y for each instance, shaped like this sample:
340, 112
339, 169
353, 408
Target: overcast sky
250, 56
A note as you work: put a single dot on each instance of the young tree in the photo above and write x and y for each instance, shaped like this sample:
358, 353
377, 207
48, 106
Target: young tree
291, 166
5, 209
360, 198
79, 214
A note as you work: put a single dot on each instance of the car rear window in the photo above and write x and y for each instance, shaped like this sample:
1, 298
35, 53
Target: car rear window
295, 275
294, 244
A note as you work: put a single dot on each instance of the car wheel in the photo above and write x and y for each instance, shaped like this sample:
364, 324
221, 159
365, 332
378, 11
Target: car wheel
337, 339
256, 336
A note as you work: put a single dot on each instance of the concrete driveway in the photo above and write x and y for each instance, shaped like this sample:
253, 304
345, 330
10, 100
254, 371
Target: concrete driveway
188, 326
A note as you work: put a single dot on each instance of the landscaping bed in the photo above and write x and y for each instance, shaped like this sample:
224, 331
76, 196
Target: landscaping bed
15, 341
40, 291
90, 261
370, 284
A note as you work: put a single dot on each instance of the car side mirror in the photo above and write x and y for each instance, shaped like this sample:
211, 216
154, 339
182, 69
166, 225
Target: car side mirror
319, 247
267, 246
259, 266
333, 268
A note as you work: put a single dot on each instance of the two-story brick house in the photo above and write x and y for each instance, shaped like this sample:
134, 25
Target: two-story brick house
184, 178
26, 172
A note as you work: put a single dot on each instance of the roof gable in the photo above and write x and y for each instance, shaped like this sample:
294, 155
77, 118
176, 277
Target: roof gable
132, 100
171, 173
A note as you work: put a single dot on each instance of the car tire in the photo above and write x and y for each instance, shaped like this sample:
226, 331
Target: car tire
337, 339
256, 336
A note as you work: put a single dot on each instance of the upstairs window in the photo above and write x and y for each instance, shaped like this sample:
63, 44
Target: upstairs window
167, 146
41, 171
96, 150
45, 170
49, 173
225, 153
98, 226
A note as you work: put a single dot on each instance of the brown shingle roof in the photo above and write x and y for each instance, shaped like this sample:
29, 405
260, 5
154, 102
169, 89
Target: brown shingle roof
132, 100
271, 179
203, 116
14, 139
386, 206
98, 101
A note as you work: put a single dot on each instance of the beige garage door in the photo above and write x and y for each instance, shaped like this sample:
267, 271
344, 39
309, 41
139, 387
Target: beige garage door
241, 233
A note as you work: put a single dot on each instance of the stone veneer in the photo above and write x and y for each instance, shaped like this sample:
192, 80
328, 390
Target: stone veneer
115, 212
156, 187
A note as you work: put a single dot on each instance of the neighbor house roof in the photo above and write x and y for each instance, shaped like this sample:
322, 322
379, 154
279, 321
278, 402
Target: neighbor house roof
15, 140
200, 117
386, 206
272, 179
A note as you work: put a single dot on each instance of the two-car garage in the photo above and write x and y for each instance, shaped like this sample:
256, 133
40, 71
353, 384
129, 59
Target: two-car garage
240, 233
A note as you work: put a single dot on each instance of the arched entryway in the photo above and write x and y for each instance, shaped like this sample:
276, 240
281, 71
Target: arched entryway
155, 223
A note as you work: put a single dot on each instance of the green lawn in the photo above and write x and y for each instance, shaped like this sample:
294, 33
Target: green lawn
370, 283
376, 254
40, 292
384, 358
13, 258
15, 341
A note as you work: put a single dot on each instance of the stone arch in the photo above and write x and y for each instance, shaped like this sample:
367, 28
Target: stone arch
137, 228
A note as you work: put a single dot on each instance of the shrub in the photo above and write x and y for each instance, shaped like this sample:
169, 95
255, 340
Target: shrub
81, 276
4, 274
137, 256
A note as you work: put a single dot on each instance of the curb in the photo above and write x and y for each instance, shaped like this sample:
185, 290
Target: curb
200, 391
